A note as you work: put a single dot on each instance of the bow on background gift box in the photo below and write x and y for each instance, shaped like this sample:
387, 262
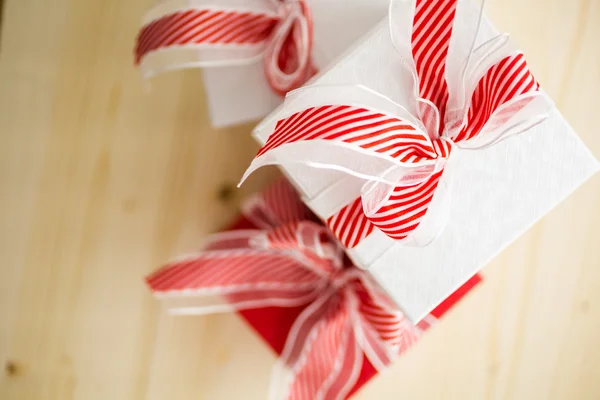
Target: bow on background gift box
426, 149
253, 51
199, 33
333, 327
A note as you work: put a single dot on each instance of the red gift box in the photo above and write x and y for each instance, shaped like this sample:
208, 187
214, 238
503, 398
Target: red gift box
274, 323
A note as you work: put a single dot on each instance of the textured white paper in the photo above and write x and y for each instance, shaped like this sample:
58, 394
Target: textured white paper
241, 93
496, 193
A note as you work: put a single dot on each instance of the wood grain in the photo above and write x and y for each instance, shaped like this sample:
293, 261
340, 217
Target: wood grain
102, 181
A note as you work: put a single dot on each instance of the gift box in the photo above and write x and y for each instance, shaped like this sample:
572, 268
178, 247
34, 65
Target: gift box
427, 149
308, 320
229, 39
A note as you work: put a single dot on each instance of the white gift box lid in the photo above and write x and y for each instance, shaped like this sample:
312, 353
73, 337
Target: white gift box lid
239, 94
496, 193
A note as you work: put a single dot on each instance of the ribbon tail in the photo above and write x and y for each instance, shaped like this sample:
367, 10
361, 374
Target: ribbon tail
342, 380
227, 280
324, 362
300, 339
347, 370
178, 34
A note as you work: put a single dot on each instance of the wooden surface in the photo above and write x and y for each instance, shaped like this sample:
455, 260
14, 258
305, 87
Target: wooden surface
102, 181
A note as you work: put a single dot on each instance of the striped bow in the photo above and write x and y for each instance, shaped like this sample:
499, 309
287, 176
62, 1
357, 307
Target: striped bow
293, 262
202, 33
461, 98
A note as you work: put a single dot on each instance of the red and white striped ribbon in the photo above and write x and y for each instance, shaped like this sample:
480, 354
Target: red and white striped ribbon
294, 263
180, 34
402, 156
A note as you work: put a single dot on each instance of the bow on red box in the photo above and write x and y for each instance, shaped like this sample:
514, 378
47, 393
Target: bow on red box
342, 327
203, 33
399, 152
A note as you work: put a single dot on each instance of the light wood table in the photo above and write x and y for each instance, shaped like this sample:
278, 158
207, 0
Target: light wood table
102, 181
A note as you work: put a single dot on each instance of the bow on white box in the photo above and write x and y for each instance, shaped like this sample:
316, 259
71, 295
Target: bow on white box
399, 151
180, 34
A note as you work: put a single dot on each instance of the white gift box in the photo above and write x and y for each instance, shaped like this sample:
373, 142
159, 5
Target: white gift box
497, 193
237, 94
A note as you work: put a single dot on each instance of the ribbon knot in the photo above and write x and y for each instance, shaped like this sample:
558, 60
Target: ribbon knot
399, 152
180, 34
343, 278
